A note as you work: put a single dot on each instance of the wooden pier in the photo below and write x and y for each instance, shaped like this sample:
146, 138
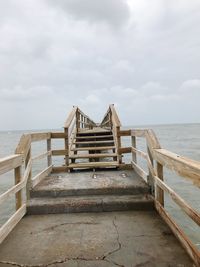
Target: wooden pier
95, 209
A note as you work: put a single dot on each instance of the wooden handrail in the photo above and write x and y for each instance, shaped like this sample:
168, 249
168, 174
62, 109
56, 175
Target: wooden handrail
115, 118
70, 117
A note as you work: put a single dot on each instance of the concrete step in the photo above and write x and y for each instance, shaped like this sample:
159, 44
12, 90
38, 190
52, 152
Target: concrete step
90, 204
91, 189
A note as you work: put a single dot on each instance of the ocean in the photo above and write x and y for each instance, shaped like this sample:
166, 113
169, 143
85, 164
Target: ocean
183, 139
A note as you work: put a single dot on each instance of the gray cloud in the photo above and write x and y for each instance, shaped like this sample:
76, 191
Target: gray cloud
55, 54
112, 12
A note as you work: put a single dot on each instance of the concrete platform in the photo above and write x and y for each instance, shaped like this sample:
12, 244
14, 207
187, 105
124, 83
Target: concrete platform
83, 183
129, 239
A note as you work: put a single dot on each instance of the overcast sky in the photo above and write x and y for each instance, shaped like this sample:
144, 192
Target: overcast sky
141, 55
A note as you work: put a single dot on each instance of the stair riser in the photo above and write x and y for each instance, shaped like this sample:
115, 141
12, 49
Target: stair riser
90, 207
86, 192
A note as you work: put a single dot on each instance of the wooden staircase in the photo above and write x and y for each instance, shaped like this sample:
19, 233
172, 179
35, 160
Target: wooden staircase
93, 148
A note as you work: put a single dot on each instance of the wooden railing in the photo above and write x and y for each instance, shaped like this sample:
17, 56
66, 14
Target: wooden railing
111, 121
75, 121
21, 163
158, 158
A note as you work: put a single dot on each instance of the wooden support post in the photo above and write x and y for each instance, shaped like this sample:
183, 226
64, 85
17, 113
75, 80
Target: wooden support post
66, 147
77, 120
133, 141
18, 195
159, 191
49, 157
28, 184
150, 179
119, 143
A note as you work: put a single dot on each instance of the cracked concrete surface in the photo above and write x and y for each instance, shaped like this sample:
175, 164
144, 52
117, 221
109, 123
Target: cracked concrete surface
111, 239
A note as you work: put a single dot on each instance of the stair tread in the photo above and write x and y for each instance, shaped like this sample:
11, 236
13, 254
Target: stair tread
94, 164
93, 131
94, 136
99, 155
94, 142
93, 148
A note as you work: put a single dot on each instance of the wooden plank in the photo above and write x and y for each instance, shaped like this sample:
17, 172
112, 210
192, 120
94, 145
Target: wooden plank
99, 155
92, 132
125, 133
57, 169
57, 135
94, 137
125, 166
139, 152
18, 196
86, 117
71, 116
124, 150
115, 118
38, 178
9, 163
59, 152
12, 222
192, 251
139, 170
94, 164
41, 156
14, 189
159, 191
183, 166
39, 136
27, 172
24, 145
93, 148
152, 141
139, 132
94, 142
194, 215
49, 153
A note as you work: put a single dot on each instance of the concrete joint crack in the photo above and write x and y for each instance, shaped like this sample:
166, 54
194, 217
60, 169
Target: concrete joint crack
119, 246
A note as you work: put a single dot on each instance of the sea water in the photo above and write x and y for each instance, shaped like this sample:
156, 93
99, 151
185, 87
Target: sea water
183, 139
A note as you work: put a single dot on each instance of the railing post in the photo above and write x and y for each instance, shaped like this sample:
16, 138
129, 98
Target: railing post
18, 195
28, 184
66, 147
119, 143
159, 191
49, 157
150, 179
133, 141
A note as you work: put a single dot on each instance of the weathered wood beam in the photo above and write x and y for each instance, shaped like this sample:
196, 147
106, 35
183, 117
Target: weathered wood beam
10, 162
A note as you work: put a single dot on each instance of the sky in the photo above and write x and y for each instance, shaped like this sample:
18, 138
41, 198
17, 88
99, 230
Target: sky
141, 55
